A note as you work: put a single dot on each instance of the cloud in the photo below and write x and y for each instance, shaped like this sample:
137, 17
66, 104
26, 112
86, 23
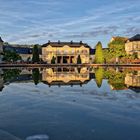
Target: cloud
98, 31
36, 21
132, 30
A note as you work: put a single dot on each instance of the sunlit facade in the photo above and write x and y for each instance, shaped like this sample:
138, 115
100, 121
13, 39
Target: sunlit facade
65, 52
132, 46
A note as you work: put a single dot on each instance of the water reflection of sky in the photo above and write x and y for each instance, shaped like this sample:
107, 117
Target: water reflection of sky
78, 112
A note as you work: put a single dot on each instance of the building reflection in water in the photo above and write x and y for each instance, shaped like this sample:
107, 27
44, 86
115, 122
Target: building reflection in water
123, 79
65, 76
118, 79
132, 80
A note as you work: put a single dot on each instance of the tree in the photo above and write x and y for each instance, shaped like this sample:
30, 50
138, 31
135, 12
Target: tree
11, 56
35, 57
10, 74
99, 58
53, 60
116, 79
79, 60
99, 75
117, 48
36, 75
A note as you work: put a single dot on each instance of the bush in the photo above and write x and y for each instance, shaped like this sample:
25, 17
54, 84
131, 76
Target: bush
79, 60
53, 60
35, 57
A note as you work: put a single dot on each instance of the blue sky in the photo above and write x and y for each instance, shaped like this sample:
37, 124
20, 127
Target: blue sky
37, 21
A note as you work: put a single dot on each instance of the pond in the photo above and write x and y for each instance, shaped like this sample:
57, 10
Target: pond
70, 103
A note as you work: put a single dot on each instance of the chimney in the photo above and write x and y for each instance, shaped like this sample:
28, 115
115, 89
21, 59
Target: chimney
49, 41
58, 41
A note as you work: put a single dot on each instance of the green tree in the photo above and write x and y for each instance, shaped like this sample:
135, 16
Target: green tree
79, 60
53, 60
35, 57
99, 75
107, 56
11, 56
36, 75
117, 49
99, 58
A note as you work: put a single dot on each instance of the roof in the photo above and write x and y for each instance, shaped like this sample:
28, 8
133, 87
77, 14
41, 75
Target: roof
62, 83
1, 40
61, 44
19, 50
135, 38
136, 61
115, 38
92, 51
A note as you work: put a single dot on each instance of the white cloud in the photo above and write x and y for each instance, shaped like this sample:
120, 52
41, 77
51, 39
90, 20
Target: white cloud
36, 21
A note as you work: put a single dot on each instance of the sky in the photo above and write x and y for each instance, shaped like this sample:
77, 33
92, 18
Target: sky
37, 21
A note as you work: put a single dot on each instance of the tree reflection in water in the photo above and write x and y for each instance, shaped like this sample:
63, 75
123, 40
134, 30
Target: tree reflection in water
36, 76
118, 78
99, 75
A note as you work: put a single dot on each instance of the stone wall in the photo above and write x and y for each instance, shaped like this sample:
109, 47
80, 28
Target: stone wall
133, 47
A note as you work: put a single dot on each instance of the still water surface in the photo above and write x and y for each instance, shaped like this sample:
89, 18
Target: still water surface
70, 104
